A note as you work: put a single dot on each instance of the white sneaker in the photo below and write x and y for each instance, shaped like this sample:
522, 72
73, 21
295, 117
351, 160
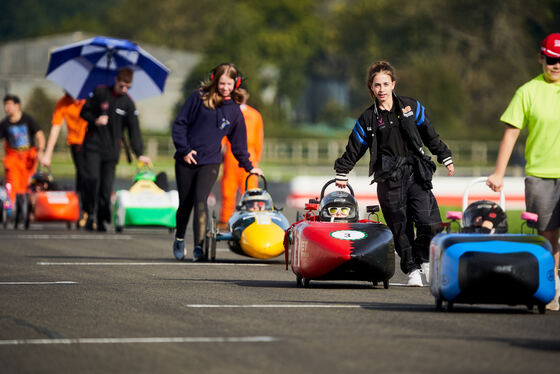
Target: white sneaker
554, 304
414, 278
426, 271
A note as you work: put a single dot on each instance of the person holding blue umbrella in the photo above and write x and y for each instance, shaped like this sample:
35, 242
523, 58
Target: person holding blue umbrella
108, 111
80, 67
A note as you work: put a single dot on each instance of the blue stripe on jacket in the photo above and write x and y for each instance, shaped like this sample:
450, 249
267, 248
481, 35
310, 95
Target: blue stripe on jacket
419, 113
360, 134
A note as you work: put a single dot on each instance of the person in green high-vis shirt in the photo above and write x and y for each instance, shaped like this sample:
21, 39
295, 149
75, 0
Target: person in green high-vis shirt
536, 106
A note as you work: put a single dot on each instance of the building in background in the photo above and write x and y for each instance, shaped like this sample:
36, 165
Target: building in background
23, 64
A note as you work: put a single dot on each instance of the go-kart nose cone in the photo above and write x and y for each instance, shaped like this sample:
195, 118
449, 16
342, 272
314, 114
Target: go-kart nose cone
262, 240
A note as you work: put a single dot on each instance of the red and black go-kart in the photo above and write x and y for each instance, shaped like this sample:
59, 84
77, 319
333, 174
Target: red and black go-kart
323, 246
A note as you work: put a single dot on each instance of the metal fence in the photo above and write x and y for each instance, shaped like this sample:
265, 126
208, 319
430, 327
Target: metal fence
325, 151
287, 157
284, 158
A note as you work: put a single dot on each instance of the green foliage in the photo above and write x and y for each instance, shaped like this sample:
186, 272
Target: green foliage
29, 18
430, 81
462, 59
333, 114
40, 106
281, 35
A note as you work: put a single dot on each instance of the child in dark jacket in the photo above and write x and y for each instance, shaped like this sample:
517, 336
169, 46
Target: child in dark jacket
210, 113
394, 129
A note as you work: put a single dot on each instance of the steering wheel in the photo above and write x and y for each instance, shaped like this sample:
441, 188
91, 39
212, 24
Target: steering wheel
263, 178
331, 182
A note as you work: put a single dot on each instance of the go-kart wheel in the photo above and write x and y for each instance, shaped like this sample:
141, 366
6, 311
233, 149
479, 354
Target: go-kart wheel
298, 281
386, 284
207, 246
69, 225
374, 283
3, 215
542, 308
210, 240
213, 247
305, 282
439, 303
450, 306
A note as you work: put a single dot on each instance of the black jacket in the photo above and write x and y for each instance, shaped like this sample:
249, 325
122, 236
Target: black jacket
417, 130
106, 140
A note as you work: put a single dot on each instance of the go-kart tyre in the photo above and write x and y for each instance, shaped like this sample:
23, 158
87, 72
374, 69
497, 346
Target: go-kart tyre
210, 239
3, 215
213, 248
7, 216
386, 284
439, 303
450, 306
206, 248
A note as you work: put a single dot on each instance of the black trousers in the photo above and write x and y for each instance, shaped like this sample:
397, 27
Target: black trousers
406, 205
97, 177
194, 184
74, 150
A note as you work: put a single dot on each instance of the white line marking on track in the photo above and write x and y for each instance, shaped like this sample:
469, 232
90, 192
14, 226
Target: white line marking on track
272, 306
404, 285
34, 283
218, 339
147, 264
71, 237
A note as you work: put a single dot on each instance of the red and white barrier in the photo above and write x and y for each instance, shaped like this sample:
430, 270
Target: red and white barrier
447, 190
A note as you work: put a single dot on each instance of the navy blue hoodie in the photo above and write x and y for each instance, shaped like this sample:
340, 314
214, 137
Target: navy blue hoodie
202, 129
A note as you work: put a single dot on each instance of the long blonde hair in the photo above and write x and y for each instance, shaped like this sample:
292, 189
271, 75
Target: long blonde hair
211, 97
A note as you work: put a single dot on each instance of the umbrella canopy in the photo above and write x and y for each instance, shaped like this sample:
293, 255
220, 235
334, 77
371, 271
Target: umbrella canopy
80, 67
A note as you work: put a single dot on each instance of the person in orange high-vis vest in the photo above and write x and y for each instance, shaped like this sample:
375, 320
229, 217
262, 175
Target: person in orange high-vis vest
233, 177
25, 142
68, 110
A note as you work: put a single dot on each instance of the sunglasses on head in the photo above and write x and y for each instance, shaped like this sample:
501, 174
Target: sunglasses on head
551, 60
333, 210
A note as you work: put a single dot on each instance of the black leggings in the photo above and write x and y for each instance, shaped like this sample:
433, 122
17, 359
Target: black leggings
194, 184
74, 149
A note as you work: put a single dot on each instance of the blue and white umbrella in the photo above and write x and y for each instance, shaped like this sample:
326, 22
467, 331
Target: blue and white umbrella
80, 67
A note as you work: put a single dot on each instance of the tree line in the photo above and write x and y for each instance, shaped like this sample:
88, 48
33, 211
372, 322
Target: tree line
462, 59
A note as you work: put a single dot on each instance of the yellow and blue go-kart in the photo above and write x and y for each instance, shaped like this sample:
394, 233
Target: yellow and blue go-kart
256, 228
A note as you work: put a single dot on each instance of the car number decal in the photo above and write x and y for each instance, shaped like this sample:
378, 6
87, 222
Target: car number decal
348, 235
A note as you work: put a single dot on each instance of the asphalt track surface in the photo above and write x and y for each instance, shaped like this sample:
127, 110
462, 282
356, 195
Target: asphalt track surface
80, 302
